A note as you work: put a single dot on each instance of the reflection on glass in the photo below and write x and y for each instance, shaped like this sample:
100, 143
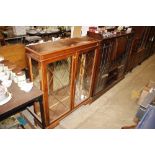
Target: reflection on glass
102, 75
36, 82
106, 57
35, 72
58, 77
83, 76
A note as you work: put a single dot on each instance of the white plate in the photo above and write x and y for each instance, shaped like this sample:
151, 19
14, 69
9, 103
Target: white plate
6, 99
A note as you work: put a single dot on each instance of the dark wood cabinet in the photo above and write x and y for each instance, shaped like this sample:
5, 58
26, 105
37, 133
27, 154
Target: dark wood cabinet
151, 42
139, 50
111, 61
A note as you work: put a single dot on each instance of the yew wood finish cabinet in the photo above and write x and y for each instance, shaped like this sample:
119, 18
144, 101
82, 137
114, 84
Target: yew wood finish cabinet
64, 70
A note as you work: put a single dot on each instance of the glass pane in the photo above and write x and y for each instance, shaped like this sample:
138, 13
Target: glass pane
102, 73
58, 77
36, 83
35, 72
83, 76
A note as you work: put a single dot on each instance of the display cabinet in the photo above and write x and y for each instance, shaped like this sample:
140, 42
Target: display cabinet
64, 70
111, 60
139, 50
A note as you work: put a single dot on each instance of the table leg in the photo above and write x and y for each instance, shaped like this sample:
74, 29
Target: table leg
42, 112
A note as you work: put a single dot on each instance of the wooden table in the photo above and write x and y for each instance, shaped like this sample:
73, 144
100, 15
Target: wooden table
20, 101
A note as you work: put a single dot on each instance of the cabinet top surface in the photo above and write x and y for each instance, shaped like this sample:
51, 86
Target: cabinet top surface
44, 48
100, 36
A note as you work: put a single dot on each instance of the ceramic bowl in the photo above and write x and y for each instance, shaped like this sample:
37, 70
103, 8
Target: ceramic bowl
3, 76
7, 83
26, 86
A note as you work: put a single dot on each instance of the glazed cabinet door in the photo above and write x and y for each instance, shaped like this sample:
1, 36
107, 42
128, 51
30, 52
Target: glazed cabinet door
151, 42
84, 75
59, 87
103, 64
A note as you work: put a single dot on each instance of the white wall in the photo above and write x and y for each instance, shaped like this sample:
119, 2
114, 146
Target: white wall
78, 31
84, 30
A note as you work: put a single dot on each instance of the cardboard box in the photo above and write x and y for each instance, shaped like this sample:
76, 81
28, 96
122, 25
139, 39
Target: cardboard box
147, 95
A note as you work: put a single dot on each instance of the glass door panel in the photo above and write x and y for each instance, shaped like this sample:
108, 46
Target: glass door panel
83, 76
58, 78
35, 73
36, 78
103, 67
